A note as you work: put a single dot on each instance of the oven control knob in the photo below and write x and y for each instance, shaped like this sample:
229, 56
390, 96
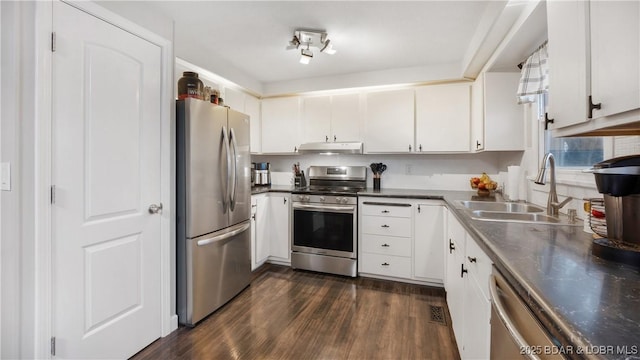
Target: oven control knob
300, 198
322, 198
306, 198
344, 200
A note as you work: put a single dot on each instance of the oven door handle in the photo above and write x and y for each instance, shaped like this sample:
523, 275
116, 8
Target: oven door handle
325, 208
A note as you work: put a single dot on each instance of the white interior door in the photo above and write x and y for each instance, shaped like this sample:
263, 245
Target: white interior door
106, 169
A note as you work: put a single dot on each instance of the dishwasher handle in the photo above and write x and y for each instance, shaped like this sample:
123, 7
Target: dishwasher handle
505, 320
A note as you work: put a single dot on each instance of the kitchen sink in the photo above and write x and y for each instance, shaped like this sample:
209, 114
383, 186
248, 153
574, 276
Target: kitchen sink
507, 207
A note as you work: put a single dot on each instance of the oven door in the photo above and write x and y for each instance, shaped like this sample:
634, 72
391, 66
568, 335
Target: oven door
325, 229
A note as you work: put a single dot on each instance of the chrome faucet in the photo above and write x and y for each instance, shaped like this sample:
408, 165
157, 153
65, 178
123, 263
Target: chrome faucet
553, 206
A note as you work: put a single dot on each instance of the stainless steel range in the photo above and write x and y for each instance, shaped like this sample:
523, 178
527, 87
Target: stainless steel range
325, 220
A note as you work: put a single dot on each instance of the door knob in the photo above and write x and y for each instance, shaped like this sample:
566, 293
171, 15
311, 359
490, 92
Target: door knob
155, 209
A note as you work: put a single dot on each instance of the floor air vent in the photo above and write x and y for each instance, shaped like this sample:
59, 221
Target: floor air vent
437, 315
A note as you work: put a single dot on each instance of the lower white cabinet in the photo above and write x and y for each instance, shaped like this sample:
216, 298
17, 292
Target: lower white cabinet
466, 282
401, 239
270, 232
259, 227
279, 228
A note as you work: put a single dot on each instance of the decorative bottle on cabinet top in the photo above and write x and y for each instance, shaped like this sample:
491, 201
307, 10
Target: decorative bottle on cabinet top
189, 86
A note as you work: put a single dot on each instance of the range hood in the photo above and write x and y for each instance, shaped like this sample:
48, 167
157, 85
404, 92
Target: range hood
331, 148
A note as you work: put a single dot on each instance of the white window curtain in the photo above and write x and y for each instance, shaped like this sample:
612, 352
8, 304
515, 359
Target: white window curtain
534, 78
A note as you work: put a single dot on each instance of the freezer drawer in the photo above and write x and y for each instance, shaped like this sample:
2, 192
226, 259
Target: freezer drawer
218, 268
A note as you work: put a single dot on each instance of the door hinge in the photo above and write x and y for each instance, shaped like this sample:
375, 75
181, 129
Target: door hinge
53, 194
53, 42
53, 346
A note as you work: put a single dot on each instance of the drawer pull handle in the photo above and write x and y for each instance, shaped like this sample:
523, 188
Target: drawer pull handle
385, 245
385, 226
385, 211
385, 264
471, 259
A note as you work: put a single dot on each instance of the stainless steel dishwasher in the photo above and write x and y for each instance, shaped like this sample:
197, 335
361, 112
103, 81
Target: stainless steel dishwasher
515, 332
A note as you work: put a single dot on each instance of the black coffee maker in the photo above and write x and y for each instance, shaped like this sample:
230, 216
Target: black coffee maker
618, 180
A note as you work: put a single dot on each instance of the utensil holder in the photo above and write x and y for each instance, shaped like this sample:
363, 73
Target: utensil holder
376, 183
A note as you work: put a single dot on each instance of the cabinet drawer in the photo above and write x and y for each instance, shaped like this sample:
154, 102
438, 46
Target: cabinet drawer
386, 209
386, 245
389, 226
387, 265
479, 265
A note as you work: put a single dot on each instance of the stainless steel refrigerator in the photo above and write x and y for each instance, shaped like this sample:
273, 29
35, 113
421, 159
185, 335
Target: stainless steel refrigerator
213, 207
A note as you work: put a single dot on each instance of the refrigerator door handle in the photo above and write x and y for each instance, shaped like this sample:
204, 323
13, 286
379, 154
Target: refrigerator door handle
225, 140
225, 237
234, 182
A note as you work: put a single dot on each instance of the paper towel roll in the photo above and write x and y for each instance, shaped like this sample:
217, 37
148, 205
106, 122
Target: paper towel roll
513, 179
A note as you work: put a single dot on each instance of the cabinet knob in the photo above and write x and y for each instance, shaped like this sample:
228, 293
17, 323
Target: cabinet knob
420, 147
335, 138
409, 147
326, 138
285, 200
295, 149
385, 264
593, 106
451, 246
385, 226
478, 144
385, 211
385, 245
462, 270
471, 259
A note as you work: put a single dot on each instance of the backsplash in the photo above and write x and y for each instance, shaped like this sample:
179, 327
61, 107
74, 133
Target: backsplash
437, 172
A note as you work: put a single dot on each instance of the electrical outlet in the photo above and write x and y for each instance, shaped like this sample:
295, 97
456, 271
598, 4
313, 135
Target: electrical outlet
5, 176
409, 169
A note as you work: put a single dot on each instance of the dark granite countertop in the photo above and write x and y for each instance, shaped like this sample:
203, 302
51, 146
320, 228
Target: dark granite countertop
271, 188
586, 302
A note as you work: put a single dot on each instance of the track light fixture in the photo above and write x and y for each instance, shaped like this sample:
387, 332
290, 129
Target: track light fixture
310, 39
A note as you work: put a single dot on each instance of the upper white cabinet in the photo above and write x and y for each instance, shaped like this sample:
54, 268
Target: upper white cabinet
594, 50
498, 120
331, 118
443, 118
280, 125
389, 121
250, 105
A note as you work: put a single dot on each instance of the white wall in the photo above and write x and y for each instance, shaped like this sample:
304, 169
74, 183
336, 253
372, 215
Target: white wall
438, 172
17, 215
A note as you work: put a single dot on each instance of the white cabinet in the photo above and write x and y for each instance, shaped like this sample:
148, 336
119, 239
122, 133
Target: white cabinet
252, 108
498, 120
428, 241
402, 239
279, 227
594, 50
259, 230
467, 284
389, 121
280, 125
443, 118
331, 118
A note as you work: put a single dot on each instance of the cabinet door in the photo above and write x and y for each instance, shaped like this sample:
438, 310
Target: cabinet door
345, 118
443, 117
568, 53
503, 117
615, 56
234, 99
454, 282
477, 114
262, 238
428, 242
316, 116
279, 226
280, 125
389, 119
477, 329
252, 108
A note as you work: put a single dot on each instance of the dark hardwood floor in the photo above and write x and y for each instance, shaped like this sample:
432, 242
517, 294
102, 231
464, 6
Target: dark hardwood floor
287, 314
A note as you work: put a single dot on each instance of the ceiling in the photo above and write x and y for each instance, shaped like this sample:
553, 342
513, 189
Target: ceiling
250, 37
